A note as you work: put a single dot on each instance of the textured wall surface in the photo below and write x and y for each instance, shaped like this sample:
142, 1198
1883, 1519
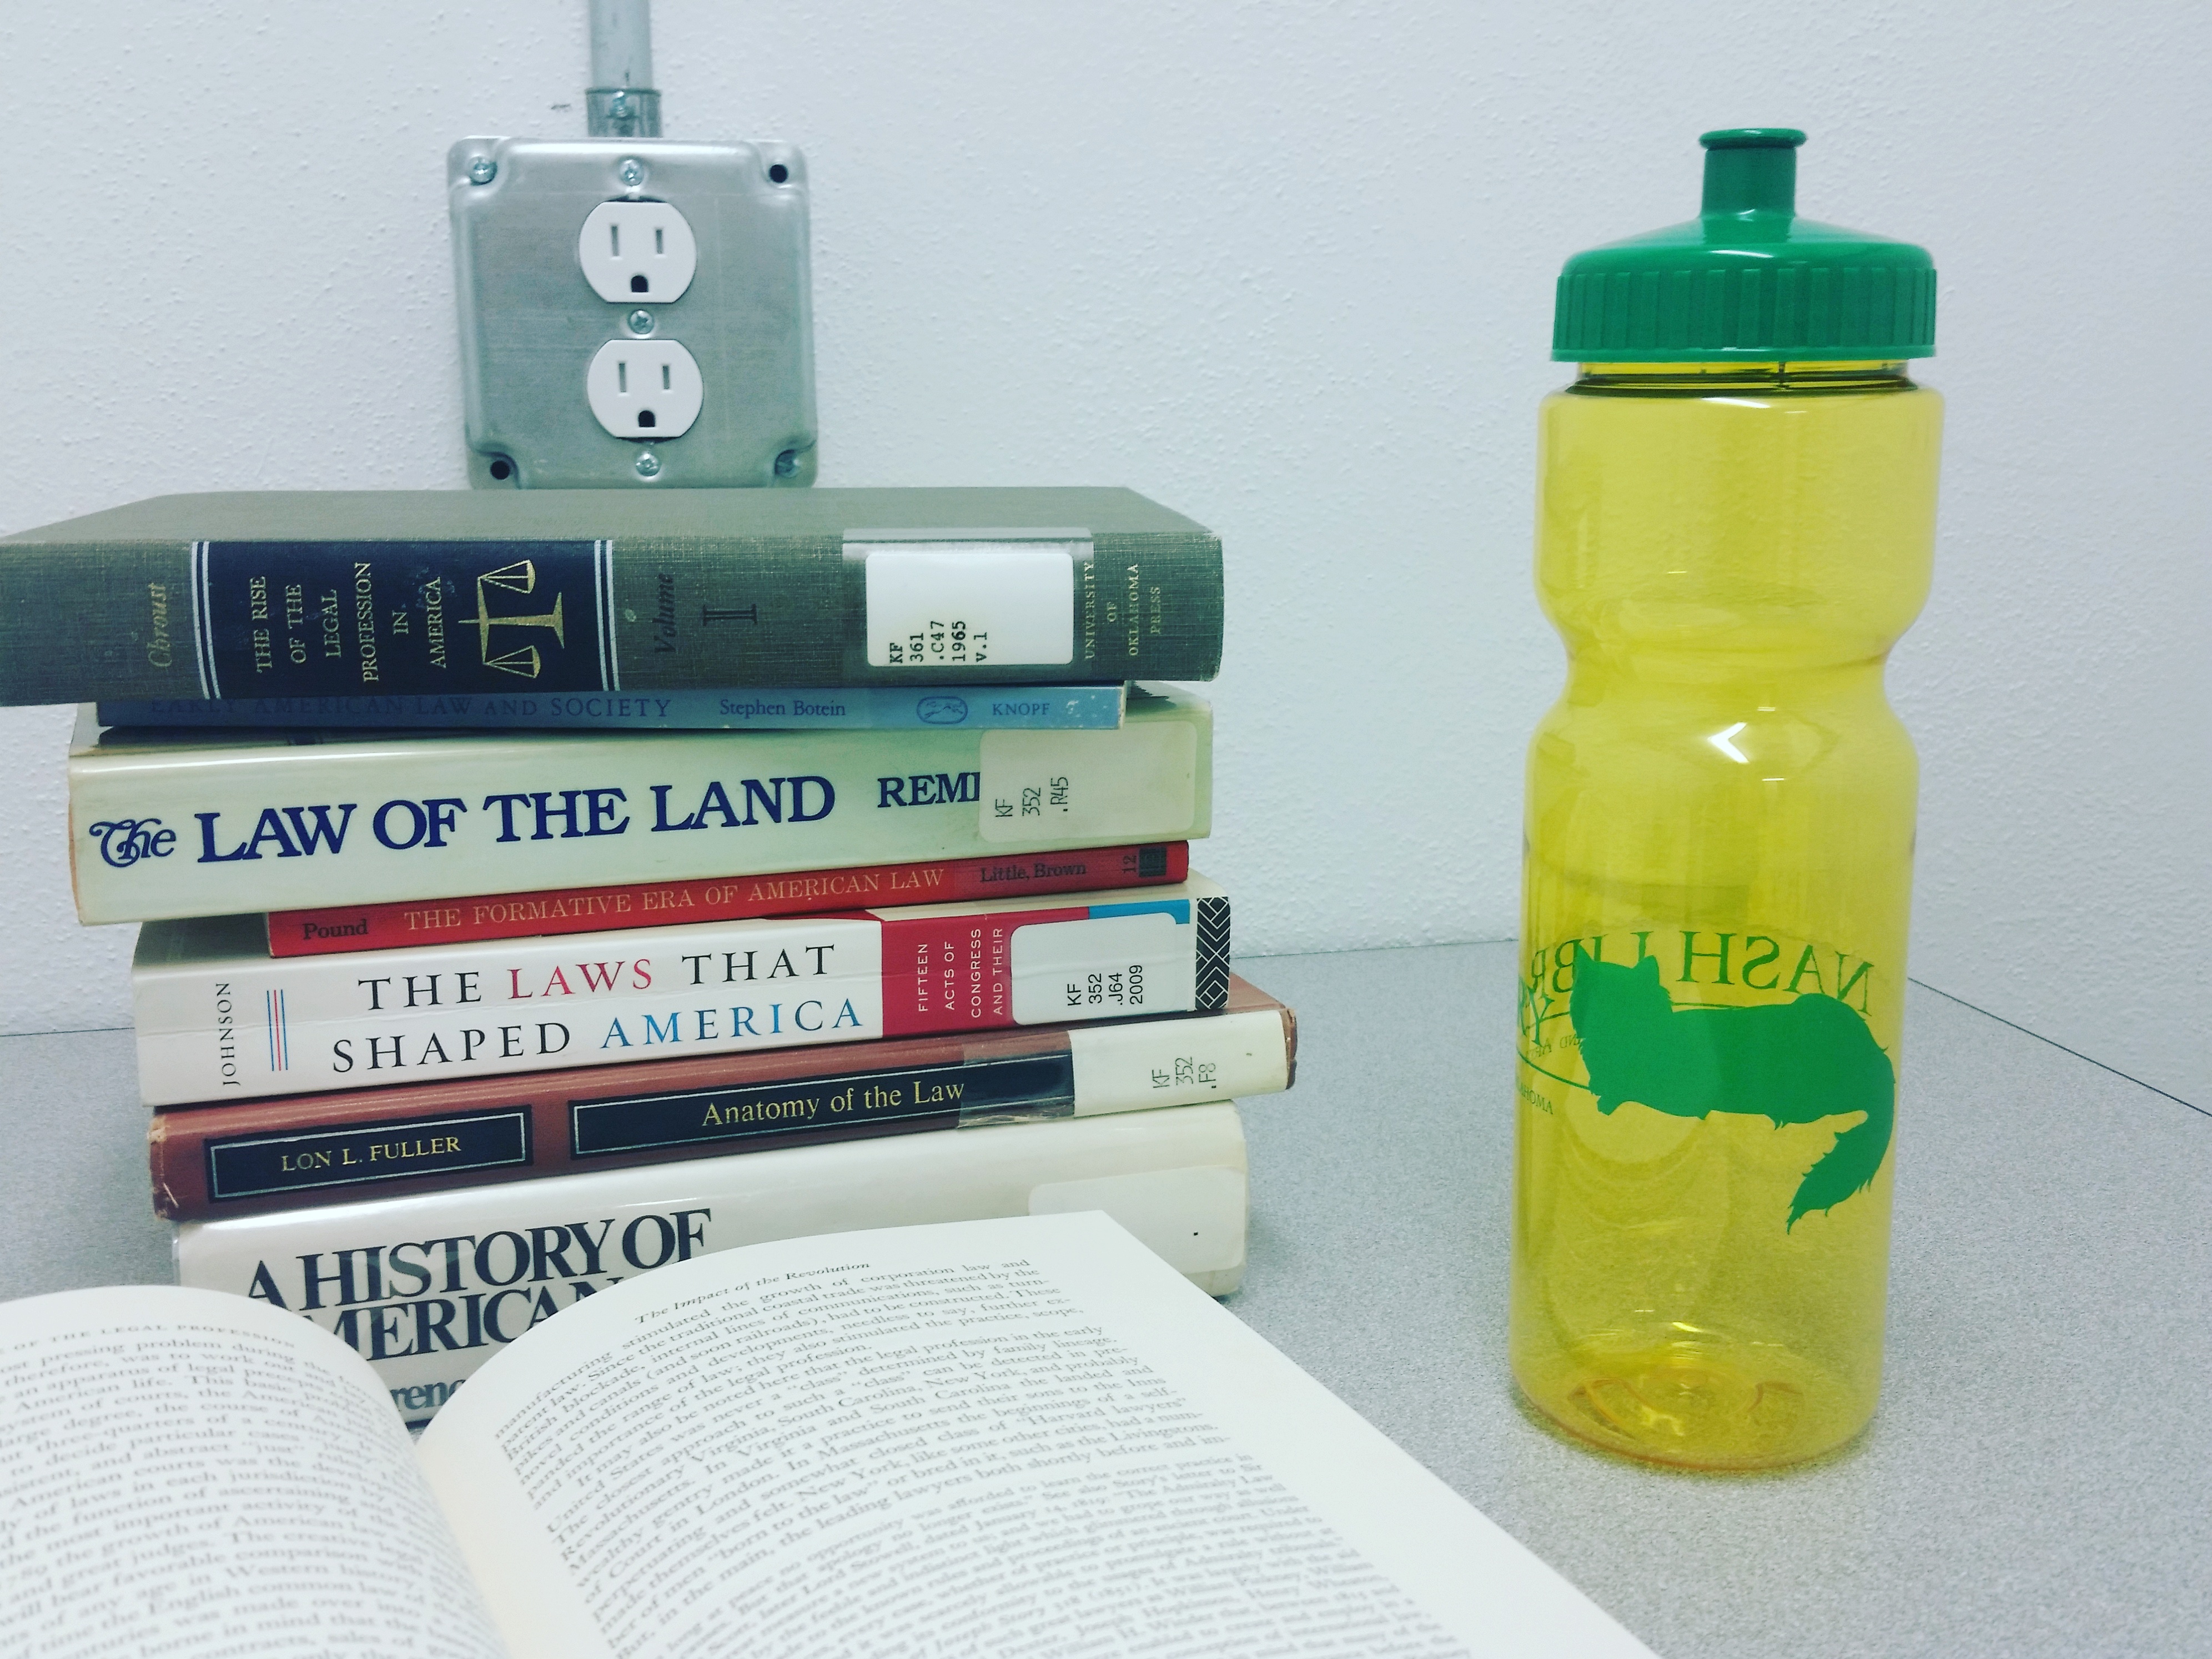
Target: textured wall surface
1288, 268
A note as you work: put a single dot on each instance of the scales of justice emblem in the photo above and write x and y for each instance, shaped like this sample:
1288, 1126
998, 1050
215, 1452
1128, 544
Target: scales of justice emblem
522, 661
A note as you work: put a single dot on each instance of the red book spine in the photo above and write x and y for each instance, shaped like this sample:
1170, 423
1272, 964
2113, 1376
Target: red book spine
954, 972
251, 1157
652, 905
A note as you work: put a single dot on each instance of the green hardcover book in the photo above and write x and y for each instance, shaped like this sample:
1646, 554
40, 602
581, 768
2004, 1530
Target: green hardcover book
420, 592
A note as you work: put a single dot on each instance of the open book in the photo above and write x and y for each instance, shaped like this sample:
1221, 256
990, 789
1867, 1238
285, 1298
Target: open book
1026, 1438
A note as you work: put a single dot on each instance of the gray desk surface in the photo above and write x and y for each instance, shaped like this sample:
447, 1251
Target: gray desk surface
2038, 1480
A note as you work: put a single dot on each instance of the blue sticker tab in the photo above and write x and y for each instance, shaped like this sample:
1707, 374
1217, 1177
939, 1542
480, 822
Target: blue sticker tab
1178, 909
327, 619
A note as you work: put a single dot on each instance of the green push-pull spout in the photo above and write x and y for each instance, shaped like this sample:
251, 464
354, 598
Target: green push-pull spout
1751, 170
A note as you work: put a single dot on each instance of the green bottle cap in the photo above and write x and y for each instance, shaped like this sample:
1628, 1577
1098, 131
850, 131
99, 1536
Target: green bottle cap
1748, 278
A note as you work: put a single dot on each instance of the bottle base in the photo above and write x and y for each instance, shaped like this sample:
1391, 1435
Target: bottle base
1689, 1408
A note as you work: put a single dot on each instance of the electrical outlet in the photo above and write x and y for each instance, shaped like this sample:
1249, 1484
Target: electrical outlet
644, 388
549, 234
637, 252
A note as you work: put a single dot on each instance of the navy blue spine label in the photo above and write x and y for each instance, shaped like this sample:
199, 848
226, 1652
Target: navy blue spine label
349, 1155
1019, 1088
335, 619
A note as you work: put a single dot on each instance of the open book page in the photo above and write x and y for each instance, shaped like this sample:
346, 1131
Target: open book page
190, 1473
1025, 1438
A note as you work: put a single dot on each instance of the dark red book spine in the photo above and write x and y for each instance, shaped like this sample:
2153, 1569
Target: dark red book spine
258, 1156
652, 905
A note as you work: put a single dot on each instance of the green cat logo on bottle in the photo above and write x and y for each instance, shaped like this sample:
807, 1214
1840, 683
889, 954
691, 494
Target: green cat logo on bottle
1801, 1060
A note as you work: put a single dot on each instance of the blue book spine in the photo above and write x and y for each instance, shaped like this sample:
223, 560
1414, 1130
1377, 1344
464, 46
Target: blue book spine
876, 708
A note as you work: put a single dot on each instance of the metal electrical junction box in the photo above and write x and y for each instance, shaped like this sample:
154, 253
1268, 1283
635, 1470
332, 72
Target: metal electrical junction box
634, 312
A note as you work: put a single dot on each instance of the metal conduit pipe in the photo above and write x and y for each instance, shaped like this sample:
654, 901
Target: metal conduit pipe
621, 101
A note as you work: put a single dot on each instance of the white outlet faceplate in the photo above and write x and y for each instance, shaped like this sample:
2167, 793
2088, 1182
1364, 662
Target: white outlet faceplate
644, 388
637, 252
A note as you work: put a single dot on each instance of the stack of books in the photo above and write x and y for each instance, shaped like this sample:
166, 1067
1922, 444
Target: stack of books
542, 888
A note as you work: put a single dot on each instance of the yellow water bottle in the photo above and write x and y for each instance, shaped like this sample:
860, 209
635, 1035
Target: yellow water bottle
1735, 522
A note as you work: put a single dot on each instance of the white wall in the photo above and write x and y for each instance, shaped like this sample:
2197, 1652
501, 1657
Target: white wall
1287, 268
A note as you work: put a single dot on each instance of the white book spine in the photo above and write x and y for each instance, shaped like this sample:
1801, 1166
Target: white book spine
161, 829
426, 1288
218, 1019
